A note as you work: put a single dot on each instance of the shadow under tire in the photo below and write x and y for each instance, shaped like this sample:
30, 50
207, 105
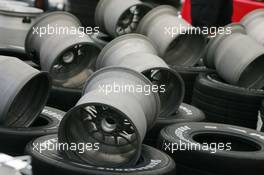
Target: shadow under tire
14, 140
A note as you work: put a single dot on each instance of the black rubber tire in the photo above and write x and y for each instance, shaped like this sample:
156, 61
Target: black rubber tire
224, 103
186, 113
14, 53
246, 156
189, 75
184, 170
14, 140
153, 162
64, 98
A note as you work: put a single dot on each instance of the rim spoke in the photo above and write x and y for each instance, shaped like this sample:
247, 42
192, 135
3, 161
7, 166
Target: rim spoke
127, 126
128, 29
124, 137
93, 132
95, 115
116, 140
90, 112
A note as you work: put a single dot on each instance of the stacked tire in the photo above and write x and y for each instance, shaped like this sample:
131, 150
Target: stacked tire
213, 149
113, 126
225, 103
189, 75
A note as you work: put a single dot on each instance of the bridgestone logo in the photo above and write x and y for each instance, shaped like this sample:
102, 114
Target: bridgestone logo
179, 132
53, 114
151, 165
188, 111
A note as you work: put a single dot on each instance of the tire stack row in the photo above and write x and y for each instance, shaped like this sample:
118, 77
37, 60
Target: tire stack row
151, 161
221, 101
108, 132
225, 103
234, 93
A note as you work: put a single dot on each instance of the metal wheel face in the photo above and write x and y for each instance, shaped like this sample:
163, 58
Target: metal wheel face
185, 50
122, 20
33, 42
171, 89
252, 76
127, 79
15, 23
69, 58
239, 61
104, 125
21, 112
169, 82
145, 23
214, 43
115, 124
74, 65
130, 19
133, 56
126, 45
178, 48
26, 97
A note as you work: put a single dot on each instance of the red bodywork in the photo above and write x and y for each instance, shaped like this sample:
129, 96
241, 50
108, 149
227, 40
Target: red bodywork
241, 8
